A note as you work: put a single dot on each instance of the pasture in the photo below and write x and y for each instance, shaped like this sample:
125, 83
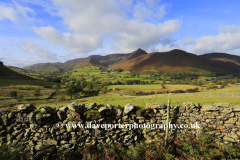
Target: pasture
122, 94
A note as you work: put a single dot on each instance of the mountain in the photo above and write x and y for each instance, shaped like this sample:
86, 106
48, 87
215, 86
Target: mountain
60, 67
140, 61
12, 75
80, 62
6, 73
8, 77
45, 67
17, 69
172, 61
223, 61
110, 59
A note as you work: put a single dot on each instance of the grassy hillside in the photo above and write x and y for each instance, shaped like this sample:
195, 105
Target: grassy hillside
60, 67
8, 77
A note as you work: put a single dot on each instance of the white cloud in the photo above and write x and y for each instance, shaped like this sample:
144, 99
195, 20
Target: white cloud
24, 11
8, 13
20, 62
145, 35
149, 10
75, 43
226, 41
15, 12
90, 22
189, 41
167, 48
33, 47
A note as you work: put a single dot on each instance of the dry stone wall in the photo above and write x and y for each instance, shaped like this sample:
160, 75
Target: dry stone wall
46, 128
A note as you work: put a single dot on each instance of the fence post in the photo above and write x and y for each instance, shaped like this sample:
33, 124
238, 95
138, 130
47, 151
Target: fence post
166, 135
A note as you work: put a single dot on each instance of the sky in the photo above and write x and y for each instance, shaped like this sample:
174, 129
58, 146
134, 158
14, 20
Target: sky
40, 31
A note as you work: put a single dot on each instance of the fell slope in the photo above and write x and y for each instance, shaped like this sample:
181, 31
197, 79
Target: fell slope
60, 67
142, 62
223, 61
172, 61
6, 73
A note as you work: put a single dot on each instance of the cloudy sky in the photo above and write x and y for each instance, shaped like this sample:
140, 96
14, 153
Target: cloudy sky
37, 31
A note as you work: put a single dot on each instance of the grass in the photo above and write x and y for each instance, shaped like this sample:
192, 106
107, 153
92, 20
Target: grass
230, 94
153, 86
228, 89
7, 82
176, 99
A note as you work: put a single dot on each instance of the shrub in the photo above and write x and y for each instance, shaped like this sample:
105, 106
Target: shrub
225, 83
47, 86
12, 86
177, 91
189, 90
210, 86
152, 93
13, 94
199, 83
20, 96
57, 87
36, 93
104, 89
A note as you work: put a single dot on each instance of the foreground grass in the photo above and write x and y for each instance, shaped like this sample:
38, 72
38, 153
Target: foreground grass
179, 149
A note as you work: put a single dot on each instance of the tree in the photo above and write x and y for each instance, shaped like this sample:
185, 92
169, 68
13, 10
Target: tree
163, 85
210, 86
225, 83
104, 89
12, 86
199, 83
36, 93
71, 90
90, 86
20, 96
236, 80
57, 87
13, 94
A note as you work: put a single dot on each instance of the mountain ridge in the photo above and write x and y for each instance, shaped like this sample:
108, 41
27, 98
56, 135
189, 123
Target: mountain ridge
175, 60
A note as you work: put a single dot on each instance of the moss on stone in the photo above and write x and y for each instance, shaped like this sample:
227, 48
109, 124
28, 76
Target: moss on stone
39, 115
90, 113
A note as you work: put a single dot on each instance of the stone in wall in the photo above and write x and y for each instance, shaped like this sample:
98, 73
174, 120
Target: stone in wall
47, 128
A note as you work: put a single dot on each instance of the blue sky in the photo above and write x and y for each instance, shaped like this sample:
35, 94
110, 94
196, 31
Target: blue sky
39, 31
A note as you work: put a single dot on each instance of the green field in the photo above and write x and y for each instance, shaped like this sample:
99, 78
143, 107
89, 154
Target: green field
7, 82
230, 93
152, 86
142, 100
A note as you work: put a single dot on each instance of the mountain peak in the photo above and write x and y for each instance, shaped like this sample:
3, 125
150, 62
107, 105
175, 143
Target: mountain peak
177, 50
1, 63
139, 49
136, 53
